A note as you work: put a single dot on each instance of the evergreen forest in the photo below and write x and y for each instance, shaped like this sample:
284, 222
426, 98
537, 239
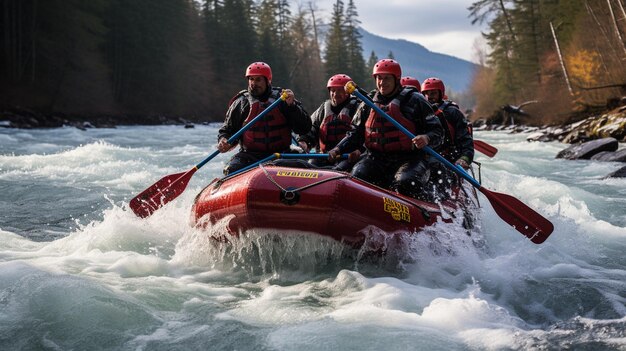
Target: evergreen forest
168, 57
561, 59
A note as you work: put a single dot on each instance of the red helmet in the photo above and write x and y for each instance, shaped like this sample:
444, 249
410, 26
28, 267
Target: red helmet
410, 81
338, 81
388, 66
434, 84
260, 69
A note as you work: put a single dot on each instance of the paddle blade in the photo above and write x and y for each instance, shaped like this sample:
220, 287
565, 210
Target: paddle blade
485, 148
160, 193
523, 218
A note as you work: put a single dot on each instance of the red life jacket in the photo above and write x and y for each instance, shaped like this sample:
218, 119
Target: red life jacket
271, 133
334, 126
381, 135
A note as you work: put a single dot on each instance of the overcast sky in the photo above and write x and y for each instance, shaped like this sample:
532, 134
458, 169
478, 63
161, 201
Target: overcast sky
439, 25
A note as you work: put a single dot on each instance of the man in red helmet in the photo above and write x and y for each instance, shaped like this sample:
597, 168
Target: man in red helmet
458, 144
269, 135
331, 121
392, 159
409, 81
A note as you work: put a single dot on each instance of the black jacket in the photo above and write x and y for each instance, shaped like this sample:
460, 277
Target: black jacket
463, 144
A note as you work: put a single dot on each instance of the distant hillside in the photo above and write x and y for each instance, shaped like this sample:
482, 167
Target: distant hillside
419, 62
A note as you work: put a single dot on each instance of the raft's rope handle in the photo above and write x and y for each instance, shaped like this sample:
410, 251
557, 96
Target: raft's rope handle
290, 194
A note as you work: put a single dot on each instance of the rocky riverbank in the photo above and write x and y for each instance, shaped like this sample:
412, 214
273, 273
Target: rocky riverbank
17, 117
611, 124
595, 138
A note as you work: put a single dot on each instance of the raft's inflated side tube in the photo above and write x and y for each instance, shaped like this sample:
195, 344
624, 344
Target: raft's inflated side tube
328, 203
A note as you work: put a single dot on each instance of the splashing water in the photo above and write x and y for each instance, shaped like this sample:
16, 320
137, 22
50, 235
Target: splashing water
79, 271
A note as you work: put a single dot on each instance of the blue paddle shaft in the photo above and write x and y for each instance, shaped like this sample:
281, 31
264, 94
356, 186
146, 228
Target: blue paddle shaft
459, 170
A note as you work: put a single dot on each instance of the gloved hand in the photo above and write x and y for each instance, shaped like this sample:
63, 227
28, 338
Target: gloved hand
223, 145
333, 155
291, 97
304, 146
420, 141
354, 156
462, 163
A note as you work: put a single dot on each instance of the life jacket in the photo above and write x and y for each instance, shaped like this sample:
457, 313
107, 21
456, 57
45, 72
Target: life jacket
270, 134
335, 126
449, 142
381, 135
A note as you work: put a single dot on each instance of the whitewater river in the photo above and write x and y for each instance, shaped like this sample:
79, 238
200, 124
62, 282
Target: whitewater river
79, 271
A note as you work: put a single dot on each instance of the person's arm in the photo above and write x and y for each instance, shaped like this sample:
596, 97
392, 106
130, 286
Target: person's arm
432, 133
463, 139
298, 119
312, 137
232, 123
434, 130
355, 138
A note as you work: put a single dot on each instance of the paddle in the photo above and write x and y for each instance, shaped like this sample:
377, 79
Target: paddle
171, 186
485, 148
524, 219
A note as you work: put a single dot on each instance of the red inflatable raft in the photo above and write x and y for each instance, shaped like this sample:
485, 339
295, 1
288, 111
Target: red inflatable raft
328, 203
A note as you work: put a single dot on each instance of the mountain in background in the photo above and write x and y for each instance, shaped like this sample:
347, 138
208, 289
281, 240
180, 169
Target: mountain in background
419, 62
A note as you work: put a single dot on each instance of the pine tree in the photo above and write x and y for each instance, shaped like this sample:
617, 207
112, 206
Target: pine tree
371, 62
336, 53
235, 50
356, 63
307, 72
272, 38
149, 42
52, 56
286, 46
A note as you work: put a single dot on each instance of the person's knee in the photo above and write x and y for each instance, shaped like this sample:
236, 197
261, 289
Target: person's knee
359, 171
321, 163
411, 183
364, 170
410, 180
231, 167
343, 166
235, 164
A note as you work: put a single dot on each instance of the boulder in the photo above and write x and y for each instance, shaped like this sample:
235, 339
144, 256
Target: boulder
611, 125
543, 136
620, 173
608, 156
586, 150
537, 136
576, 136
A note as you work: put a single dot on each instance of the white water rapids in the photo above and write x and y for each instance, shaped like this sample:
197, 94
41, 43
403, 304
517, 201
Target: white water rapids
79, 271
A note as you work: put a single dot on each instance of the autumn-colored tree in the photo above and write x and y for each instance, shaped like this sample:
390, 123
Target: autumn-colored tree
541, 50
583, 67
